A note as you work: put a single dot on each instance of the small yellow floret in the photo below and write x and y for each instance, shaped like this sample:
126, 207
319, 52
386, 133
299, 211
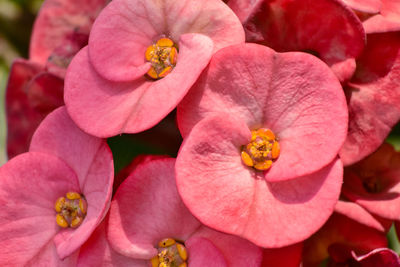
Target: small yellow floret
73, 195
275, 151
76, 222
166, 242
247, 159
165, 42
59, 204
182, 251
61, 221
262, 166
152, 73
165, 72
149, 52
155, 261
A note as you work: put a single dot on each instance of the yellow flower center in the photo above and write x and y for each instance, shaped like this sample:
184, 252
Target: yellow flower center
162, 55
171, 253
71, 210
262, 150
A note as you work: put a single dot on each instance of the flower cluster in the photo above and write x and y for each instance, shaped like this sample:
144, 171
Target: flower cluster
282, 110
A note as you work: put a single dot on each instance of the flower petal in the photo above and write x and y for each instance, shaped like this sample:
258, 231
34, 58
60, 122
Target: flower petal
204, 253
57, 21
228, 196
124, 30
91, 159
145, 211
103, 108
236, 251
293, 94
30, 184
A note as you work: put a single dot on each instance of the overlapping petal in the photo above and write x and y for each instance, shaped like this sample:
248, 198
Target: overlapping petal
105, 108
226, 195
337, 37
91, 159
125, 29
373, 97
30, 184
293, 94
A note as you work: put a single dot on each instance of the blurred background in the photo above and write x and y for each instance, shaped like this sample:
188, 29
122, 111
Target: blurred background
16, 20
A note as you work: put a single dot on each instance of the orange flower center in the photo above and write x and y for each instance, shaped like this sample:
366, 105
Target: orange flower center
262, 150
162, 55
171, 253
71, 210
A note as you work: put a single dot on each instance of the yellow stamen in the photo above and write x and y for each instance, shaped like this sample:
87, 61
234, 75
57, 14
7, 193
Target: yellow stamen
167, 242
163, 57
154, 261
261, 151
59, 204
165, 72
83, 206
173, 55
61, 221
183, 264
262, 166
149, 52
166, 42
247, 159
276, 150
73, 195
182, 251
76, 222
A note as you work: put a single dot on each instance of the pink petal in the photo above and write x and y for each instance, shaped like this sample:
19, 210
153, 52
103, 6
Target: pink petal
146, 209
226, 195
124, 30
103, 108
287, 256
293, 94
373, 97
236, 251
57, 21
368, 6
30, 95
382, 170
379, 257
97, 252
30, 184
379, 23
285, 25
91, 159
202, 253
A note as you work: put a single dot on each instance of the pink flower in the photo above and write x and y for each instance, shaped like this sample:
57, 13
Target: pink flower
147, 214
336, 37
35, 87
373, 96
301, 103
61, 30
350, 231
142, 58
31, 94
374, 183
377, 15
65, 180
